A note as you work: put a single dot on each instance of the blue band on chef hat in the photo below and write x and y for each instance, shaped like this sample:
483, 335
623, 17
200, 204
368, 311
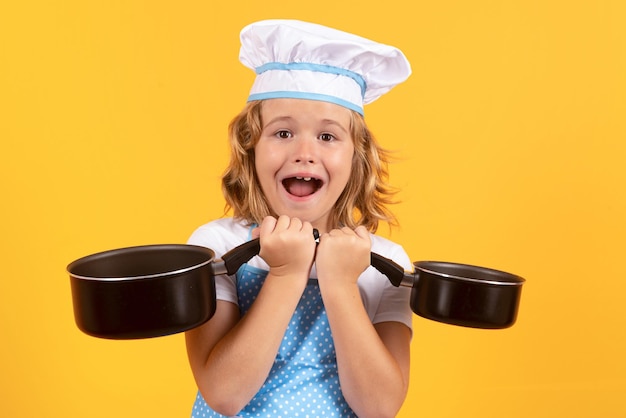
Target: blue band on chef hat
328, 69
308, 96
314, 67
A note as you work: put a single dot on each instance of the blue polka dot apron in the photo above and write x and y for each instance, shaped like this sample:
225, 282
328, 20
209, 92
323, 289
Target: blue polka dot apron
303, 381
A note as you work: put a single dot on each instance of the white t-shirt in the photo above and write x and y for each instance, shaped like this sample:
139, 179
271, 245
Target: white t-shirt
382, 301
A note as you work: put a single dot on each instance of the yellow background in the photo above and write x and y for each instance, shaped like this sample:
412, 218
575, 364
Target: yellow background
511, 136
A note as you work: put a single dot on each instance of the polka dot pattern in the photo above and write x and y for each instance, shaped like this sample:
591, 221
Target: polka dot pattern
303, 381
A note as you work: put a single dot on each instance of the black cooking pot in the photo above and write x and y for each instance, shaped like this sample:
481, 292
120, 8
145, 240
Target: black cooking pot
149, 291
155, 290
458, 294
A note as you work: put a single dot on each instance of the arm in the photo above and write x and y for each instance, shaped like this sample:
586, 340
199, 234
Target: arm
373, 360
230, 357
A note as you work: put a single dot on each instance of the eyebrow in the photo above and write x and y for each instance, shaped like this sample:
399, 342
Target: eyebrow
278, 119
337, 124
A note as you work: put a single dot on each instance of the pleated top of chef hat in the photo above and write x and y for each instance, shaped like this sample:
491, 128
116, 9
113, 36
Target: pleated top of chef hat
295, 59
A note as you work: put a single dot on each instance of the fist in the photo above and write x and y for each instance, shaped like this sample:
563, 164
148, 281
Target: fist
343, 254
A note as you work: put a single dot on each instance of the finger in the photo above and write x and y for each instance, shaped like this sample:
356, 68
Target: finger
267, 226
295, 224
307, 227
341, 232
347, 231
362, 232
283, 222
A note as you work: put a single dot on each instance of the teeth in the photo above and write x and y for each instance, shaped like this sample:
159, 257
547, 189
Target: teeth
304, 178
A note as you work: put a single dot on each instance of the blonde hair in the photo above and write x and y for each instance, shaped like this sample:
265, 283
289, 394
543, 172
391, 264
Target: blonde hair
362, 202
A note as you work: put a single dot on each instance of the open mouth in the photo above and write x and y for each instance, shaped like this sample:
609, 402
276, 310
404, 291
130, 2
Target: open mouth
302, 186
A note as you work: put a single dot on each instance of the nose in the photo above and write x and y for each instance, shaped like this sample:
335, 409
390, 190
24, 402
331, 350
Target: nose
305, 150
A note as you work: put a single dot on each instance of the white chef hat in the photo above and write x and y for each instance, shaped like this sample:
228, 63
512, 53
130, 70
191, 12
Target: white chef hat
295, 59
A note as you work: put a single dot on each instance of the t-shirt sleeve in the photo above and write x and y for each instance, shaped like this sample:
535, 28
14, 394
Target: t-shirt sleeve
210, 236
394, 303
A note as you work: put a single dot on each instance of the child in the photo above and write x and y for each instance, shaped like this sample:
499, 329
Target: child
306, 330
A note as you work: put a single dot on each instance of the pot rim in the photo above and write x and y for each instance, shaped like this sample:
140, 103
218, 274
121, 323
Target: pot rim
143, 277
515, 280
163, 274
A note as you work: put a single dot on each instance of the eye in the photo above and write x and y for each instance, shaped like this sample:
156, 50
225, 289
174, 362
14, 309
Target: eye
326, 137
283, 134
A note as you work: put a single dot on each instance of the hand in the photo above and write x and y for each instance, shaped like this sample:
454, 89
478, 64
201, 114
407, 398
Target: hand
287, 246
342, 255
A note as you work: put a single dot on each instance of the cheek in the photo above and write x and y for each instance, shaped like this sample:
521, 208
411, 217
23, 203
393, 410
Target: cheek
265, 163
260, 157
342, 167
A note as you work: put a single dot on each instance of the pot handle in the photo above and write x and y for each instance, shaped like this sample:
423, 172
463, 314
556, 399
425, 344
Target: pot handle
394, 272
234, 259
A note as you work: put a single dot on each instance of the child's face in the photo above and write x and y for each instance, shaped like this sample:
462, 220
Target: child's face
303, 158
